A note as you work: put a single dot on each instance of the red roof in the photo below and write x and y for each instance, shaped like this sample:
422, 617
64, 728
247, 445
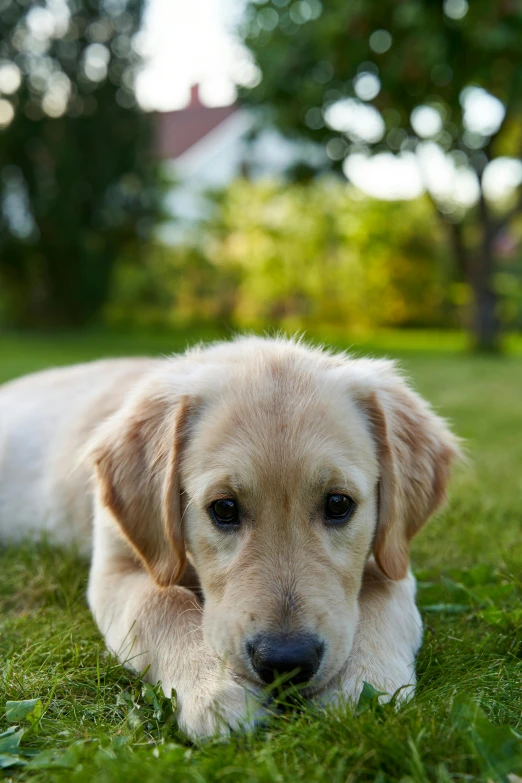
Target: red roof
177, 131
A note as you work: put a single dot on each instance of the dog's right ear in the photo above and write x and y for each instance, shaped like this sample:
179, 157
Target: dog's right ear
136, 455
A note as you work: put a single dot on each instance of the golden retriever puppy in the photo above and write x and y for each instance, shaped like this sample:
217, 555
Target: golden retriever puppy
251, 505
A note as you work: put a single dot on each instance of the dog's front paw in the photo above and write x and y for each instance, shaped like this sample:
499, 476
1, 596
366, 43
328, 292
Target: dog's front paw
398, 681
218, 705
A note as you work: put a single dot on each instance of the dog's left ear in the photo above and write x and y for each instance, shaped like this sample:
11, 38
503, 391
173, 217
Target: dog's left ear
415, 451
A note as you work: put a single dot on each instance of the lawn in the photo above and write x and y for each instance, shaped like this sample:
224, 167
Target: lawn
465, 723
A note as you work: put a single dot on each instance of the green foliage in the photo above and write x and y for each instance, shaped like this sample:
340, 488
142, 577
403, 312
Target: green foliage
311, 55
316, 254
99, 722
77, 187
10, 748
172, 287
357, 77
499, 747
296, 256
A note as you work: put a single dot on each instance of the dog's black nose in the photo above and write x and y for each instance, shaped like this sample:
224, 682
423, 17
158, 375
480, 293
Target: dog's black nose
298, 656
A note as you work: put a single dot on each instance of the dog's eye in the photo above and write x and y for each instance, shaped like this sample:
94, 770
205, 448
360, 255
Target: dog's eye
225, 512
339, 508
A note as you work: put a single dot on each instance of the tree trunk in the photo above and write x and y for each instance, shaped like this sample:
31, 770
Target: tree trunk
478, 270
486, 327
485, 320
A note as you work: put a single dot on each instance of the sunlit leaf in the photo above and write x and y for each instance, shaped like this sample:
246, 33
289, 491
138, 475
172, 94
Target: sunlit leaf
29, 710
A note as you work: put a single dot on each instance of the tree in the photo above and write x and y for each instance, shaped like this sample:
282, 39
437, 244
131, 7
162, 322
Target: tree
77, 186
404, 76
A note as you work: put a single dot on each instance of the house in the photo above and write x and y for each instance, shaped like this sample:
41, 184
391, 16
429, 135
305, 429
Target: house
204, 148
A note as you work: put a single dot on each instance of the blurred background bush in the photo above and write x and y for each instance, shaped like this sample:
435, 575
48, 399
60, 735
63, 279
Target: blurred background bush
367, 176
297, 256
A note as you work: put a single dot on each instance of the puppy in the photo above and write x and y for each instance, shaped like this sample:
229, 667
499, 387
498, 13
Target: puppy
251, 506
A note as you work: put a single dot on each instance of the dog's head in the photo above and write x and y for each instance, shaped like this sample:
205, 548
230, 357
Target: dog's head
277, 470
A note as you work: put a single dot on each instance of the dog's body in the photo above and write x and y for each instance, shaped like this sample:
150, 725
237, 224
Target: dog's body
259, 475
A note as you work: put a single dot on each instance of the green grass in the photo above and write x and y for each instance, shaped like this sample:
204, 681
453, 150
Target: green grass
465, 722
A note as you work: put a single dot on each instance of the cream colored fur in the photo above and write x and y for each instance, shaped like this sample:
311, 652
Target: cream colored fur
143, 447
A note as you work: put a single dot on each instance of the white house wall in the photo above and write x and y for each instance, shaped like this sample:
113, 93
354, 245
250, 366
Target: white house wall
214, 162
